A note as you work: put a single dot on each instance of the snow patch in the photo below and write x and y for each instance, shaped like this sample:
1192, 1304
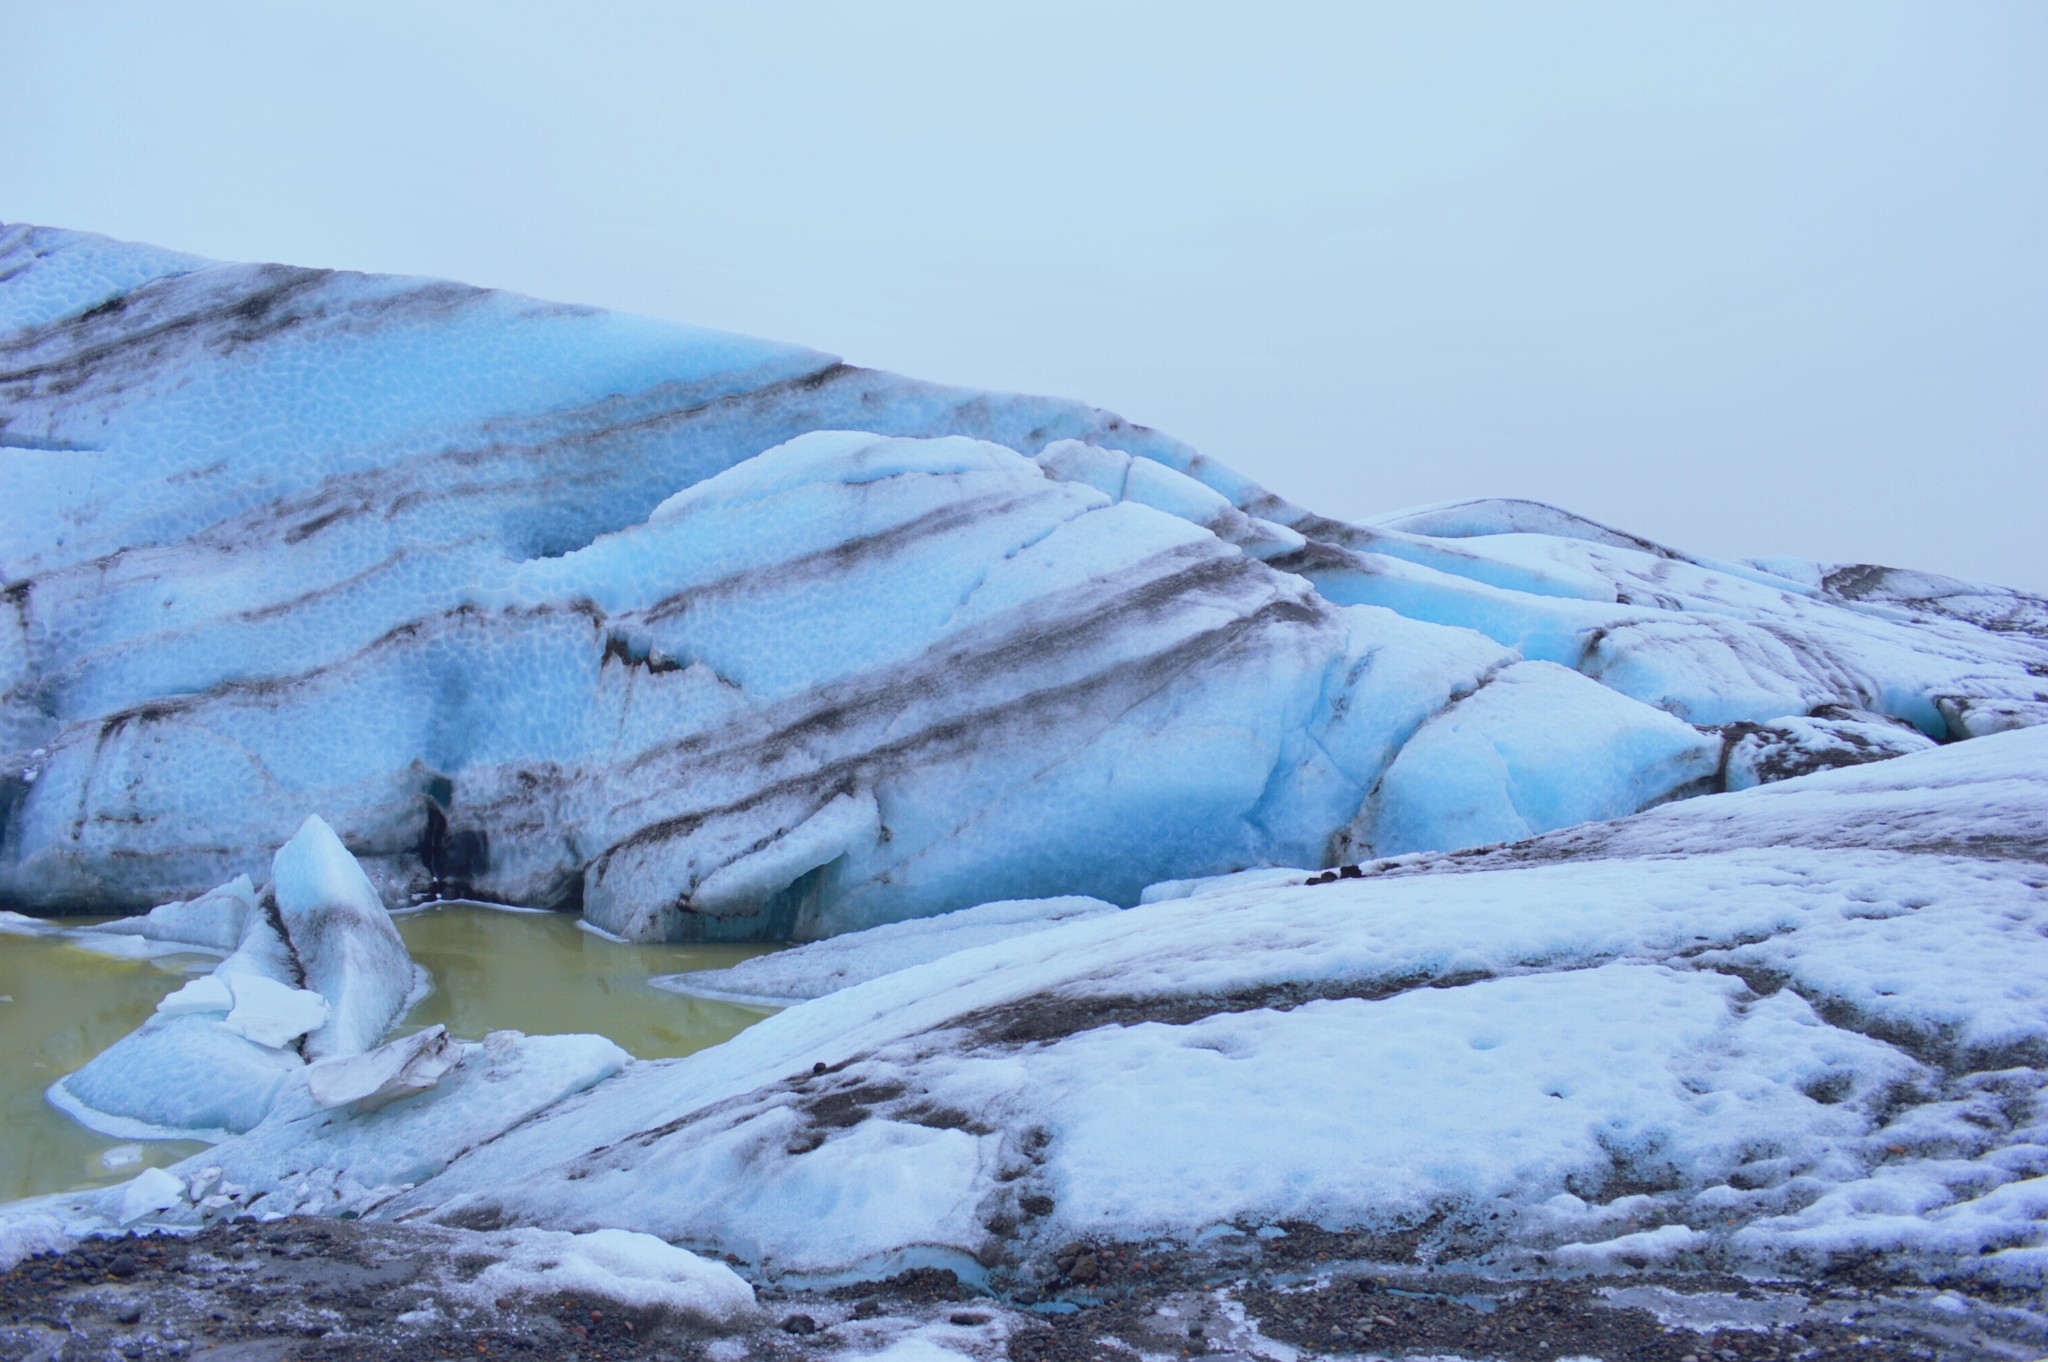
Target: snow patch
634, 1269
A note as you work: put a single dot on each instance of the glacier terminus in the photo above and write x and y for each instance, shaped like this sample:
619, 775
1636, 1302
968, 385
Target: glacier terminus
1165, 864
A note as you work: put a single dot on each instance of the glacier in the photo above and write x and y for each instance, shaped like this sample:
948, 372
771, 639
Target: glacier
1174, 863
715, 638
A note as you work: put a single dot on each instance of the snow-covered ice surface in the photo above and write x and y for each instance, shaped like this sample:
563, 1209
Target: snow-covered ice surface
841, 962
1768, 1030
721, 638
1678, 1042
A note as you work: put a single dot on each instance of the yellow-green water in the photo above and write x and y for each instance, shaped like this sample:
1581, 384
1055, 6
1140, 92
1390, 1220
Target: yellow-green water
63, 1005
542, 974
492, 970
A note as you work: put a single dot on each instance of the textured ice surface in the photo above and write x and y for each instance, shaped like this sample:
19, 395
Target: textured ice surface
402, 1068
49, 275
1487, 769
721, 638
177, 1075
827, 966
559, 606
1757, 1049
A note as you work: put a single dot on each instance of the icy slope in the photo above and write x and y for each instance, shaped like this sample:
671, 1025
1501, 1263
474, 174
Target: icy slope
1743, 1053
1770, 1029
565, 607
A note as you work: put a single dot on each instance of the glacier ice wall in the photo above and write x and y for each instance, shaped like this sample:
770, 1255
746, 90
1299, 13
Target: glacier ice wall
722, 638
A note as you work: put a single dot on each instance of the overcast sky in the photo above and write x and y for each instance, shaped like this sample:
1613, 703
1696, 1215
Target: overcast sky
1747, 278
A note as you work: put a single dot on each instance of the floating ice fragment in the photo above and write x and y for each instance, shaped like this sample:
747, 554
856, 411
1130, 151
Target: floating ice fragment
216, 920
179, 1075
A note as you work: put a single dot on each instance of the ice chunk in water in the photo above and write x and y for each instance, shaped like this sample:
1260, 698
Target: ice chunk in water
351, 954
214, 1057
216, 920
176, 1075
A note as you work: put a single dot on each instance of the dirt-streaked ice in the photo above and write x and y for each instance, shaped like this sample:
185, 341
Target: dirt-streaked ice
720, 638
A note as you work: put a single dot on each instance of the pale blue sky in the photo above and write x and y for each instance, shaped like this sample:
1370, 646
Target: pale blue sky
1748, 278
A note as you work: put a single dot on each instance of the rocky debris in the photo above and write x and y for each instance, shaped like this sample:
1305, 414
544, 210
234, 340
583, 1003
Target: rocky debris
1832, 736
340, 1291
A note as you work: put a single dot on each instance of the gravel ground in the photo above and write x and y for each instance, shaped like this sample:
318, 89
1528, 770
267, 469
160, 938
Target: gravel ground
314, 1290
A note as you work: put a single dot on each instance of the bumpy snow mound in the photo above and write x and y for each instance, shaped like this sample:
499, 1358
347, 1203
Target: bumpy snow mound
560, 606
1758, 1054
637, 1270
